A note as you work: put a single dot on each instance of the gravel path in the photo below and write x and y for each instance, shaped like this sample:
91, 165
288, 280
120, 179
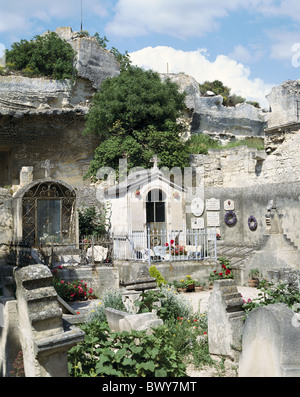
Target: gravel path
200, 300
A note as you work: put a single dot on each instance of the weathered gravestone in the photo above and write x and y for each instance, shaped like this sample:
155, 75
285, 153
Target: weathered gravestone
120, 321
225, 320
139, 281
271, 343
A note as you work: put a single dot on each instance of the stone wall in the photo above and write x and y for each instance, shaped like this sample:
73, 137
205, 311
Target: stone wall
56, 136
243, 166
6, 221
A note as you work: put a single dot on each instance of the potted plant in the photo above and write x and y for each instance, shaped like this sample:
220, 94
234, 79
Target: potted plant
199, 286
180, 286
190, 284
253, 277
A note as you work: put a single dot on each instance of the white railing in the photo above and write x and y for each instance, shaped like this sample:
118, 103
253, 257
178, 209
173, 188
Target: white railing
190, 244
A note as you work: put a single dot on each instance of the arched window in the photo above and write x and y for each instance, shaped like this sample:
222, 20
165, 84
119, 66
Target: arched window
48, 214
155, 206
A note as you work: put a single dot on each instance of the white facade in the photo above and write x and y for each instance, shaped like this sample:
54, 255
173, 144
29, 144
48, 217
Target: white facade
146, 198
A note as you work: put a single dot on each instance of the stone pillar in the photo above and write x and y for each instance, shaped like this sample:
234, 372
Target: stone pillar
44, 337
225, 320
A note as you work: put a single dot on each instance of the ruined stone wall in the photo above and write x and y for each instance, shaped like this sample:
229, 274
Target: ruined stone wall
32, 139
243, 166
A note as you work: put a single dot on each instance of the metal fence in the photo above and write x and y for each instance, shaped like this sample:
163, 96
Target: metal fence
149, 246
190, 244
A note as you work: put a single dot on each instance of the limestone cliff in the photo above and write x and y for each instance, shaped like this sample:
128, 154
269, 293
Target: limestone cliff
22, 95
284, 103
208, 114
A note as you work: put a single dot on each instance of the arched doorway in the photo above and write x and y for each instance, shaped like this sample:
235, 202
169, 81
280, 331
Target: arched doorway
48, 214
156, 215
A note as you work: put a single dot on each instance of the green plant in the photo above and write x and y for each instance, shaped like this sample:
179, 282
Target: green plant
125, 354
200, 143
111, 298
253, 274
149, 301
47, 55
92, 222
76, 290
173, 305
271, 293
157, 275
224, 272
135, 115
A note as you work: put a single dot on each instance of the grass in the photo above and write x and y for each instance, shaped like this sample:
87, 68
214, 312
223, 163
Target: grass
201, 143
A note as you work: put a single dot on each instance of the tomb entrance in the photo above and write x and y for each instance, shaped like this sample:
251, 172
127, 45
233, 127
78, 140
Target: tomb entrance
46, 213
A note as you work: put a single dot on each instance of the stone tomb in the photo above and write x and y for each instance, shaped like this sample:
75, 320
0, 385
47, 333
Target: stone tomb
34, 324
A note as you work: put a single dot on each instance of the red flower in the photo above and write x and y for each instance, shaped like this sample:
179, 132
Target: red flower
167, 245
172, 242
220, 274
227, 272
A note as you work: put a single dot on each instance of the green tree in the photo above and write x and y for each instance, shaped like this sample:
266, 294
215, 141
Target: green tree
219, 88
135, 115
47, 55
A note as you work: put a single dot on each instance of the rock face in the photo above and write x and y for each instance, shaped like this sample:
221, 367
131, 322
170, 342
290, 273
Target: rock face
22, 95
93, 62
208, 114
285, 104
41, 118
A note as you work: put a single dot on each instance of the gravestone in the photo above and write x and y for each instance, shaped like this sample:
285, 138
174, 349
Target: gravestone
26, 175
120, 321
271, 343
139, 281
225, 320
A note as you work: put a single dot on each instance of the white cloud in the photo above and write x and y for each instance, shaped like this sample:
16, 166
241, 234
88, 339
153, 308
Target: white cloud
196, 64
173, 17
281, 49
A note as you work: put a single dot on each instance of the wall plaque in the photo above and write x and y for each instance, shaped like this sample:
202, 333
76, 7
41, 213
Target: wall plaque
213, 219
197, 223
229, 205
212, 204
197, 206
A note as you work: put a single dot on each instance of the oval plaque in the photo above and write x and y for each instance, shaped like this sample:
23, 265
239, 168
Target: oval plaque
197, 206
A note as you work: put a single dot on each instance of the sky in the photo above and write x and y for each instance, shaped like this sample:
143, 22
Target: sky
249, 45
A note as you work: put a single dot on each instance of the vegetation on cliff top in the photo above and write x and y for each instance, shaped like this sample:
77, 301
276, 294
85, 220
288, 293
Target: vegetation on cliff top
47, 55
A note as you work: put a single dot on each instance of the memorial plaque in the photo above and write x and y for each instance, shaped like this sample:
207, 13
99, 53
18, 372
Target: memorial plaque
197, 206
212, 204
229, 205
197, 223
213, 219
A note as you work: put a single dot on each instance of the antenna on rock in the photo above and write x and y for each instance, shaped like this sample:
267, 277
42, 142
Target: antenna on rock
81, 17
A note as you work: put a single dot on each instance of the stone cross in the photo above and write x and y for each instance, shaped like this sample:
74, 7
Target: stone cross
155, 160
47, 166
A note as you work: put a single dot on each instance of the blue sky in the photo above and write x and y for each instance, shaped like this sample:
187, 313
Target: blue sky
250, 45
